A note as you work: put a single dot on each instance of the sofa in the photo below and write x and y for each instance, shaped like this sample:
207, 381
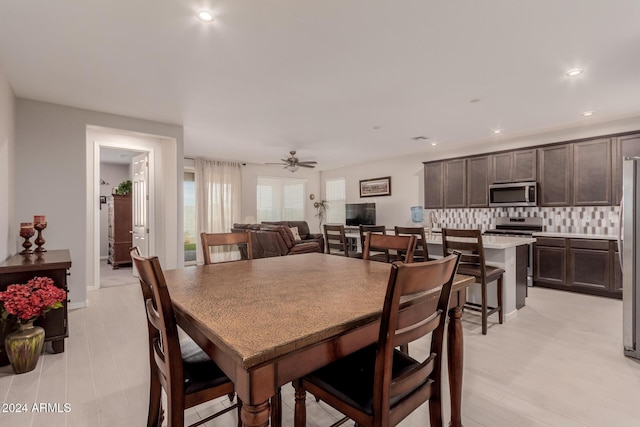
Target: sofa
271, 239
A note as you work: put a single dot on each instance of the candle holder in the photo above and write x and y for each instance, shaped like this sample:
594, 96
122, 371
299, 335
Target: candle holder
26, 233
39, 240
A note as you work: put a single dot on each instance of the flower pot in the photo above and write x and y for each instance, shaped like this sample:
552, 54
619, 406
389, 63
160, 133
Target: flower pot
24, 346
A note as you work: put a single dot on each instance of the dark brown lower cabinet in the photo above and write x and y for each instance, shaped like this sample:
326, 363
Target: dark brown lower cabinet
579, 265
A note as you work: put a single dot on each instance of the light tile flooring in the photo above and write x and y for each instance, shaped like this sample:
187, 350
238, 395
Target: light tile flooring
559, 362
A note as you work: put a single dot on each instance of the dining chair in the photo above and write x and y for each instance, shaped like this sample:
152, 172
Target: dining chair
422, 252
210, 240
379, 386
472, 263
335, 239
381, 255
187, 381
404, 246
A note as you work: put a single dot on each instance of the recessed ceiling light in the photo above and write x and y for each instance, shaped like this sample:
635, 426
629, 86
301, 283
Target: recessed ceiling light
434, 143
206, 16
588, 113
497, 131
574, 72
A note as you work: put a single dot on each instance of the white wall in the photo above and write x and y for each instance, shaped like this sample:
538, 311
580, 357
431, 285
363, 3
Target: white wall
407, 175
8, 224
250, 174
51, 172
114, 174
407, 183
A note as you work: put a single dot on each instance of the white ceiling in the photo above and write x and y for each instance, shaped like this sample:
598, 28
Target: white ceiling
269, 76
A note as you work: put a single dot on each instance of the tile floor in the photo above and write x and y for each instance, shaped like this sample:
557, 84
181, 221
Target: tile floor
558, 363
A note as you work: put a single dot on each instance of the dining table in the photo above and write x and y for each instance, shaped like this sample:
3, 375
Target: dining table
269, 321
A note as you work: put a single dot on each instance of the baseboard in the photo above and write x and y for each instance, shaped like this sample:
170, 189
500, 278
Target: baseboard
76, 305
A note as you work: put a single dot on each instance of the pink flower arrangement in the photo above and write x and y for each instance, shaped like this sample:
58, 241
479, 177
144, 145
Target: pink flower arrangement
30, 301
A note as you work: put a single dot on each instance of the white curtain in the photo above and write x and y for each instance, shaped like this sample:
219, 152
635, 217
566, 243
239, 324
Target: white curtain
218, 202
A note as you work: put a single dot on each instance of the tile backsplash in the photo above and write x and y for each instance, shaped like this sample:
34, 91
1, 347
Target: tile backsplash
577, 219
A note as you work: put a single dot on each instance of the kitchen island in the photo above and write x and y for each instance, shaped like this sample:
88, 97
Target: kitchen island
508, 253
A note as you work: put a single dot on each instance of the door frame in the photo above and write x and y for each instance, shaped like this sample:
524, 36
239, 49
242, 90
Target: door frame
132, 146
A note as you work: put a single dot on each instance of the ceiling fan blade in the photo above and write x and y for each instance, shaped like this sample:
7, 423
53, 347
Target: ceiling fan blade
302, 165
308, 162
275, 163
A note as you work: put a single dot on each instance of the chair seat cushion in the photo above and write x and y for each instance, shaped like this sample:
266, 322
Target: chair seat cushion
351, 378
200, 372
474, 270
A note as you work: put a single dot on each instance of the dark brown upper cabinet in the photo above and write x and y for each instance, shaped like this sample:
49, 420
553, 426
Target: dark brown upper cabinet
555, 165
478, 172
622, 146
433, 185
592, 172
455, 183
514, 166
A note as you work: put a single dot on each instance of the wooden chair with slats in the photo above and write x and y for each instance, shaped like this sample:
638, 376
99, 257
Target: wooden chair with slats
421, 253
379, 386
403, 246
336, 240
472, 263
187, 381
210, 240
381, 255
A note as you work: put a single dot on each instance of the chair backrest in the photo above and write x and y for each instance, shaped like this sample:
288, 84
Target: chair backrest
164, 344
468, 243
421, 244
399, 326
382, 242
336, 239
210, 240
376, 229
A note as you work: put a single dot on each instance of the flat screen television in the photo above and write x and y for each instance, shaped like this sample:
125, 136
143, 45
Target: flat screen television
360, 213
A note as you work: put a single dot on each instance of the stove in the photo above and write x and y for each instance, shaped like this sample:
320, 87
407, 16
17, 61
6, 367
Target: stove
516, 226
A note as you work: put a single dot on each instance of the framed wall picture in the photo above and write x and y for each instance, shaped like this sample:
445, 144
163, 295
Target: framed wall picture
375, 187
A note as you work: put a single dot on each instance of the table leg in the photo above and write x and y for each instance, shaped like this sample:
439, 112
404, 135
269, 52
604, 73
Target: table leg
57, 346
455, 362
300, 413
255, 415
276, 408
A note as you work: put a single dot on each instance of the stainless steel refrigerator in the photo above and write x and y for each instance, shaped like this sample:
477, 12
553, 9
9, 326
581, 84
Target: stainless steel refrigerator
629, 244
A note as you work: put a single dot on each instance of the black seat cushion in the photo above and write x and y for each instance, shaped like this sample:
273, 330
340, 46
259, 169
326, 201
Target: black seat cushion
351, 378
474, 270
200, 372
202, 375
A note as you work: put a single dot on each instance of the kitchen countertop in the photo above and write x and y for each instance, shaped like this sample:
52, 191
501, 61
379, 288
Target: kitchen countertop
490, 242
576, 235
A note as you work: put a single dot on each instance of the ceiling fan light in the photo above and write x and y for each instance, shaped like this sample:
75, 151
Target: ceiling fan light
292, 168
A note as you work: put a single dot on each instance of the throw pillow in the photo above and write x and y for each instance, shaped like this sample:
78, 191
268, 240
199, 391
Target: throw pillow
296, 235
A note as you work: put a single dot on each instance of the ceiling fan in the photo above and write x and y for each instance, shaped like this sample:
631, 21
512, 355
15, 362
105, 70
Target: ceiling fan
292, 164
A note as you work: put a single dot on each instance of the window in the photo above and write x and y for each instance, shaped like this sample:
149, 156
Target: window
190, 233
280, 199
336, 195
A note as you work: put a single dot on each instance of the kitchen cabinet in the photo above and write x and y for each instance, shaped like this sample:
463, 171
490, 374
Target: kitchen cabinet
622, 146
433, 185
581, 265
478, 169
455, 183
514, 166
549, 261
556, 171
592, 173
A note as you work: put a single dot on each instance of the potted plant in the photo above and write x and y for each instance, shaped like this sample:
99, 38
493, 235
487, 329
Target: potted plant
321, 210
123, 188
24, 304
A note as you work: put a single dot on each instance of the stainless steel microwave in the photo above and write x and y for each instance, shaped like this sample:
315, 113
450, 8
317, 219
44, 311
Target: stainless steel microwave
513, 194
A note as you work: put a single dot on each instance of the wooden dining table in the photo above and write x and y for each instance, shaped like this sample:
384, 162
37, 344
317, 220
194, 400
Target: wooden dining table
269, 321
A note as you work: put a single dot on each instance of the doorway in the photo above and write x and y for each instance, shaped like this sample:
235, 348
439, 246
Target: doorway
117, 171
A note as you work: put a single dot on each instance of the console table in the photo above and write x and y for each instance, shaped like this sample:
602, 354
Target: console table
19, 269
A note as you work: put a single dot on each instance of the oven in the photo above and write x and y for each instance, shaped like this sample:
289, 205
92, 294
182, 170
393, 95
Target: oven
519, 227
